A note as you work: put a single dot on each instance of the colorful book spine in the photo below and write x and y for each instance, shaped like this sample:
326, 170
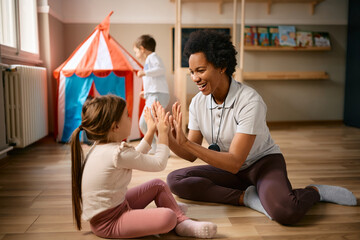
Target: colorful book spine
250, 36
274, 36
304, 39
287, 36
321, 39
264, 36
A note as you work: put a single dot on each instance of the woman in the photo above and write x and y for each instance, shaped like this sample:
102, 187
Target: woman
232, 118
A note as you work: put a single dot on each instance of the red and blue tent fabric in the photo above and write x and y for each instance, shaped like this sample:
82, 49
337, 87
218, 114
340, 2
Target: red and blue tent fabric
99, 66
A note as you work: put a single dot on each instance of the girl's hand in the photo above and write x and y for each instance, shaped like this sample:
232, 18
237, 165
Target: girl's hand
150, 121
162, 118
176, 123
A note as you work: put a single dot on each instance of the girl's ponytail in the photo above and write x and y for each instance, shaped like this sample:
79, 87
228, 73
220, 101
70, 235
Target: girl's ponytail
76, 173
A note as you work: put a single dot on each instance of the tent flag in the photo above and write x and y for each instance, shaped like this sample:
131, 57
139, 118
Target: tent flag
102, 65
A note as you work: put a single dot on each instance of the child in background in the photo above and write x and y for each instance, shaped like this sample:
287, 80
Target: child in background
99, 182
154, 80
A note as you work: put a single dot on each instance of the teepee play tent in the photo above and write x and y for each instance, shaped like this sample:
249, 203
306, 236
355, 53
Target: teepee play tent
98, 66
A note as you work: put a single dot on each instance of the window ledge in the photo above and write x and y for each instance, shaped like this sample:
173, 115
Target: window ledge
9, 56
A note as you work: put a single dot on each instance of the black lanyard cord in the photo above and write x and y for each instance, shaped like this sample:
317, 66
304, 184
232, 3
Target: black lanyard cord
222, 113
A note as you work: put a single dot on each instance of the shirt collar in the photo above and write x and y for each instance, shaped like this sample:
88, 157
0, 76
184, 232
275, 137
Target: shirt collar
230, 98
149, 56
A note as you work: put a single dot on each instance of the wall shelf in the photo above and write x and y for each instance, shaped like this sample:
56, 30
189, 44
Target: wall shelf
320, 75
312, 3
274, 48
180, 88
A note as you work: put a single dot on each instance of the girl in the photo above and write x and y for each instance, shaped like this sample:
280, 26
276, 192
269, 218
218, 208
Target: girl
99, 182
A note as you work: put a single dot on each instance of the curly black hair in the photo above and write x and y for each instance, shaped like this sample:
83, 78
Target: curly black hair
216, 46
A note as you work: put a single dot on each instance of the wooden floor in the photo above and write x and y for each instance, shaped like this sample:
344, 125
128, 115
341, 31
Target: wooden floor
35, 197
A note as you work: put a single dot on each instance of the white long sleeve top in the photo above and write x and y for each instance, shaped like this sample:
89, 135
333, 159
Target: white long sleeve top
108, 170
154, 80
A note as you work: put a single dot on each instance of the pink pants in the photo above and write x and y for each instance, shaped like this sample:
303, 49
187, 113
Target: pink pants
130, 219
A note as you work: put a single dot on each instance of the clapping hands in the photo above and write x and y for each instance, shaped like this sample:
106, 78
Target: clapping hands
150, 121
165, 123
176, 124
159, 120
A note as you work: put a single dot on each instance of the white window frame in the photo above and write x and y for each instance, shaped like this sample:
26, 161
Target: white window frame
14, 55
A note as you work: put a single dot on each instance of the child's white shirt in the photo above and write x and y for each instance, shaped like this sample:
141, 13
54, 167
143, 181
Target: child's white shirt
108, 170
154, 80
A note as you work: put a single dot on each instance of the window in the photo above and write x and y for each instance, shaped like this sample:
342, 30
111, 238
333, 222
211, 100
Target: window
8, 25
19, 39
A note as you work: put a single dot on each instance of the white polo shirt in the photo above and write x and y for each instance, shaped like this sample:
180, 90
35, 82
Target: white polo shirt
245, 112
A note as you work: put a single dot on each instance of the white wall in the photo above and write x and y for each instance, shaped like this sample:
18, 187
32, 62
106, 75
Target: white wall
286, 100
333, 12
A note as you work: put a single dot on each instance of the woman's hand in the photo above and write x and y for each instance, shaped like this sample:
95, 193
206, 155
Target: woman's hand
176, 123
150, 121
172, 132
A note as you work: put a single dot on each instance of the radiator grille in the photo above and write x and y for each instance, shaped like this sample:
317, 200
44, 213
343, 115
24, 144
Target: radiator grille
26, 107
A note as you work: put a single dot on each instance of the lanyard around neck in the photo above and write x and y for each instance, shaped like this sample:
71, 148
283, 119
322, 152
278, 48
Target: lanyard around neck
222, 113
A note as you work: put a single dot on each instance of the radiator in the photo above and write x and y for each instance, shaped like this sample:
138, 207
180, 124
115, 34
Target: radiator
26, 107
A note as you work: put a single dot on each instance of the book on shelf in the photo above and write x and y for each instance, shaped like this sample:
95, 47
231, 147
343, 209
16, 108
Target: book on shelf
274, 36
263, 36
287, 36
250, 36
321, 39
304, 39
